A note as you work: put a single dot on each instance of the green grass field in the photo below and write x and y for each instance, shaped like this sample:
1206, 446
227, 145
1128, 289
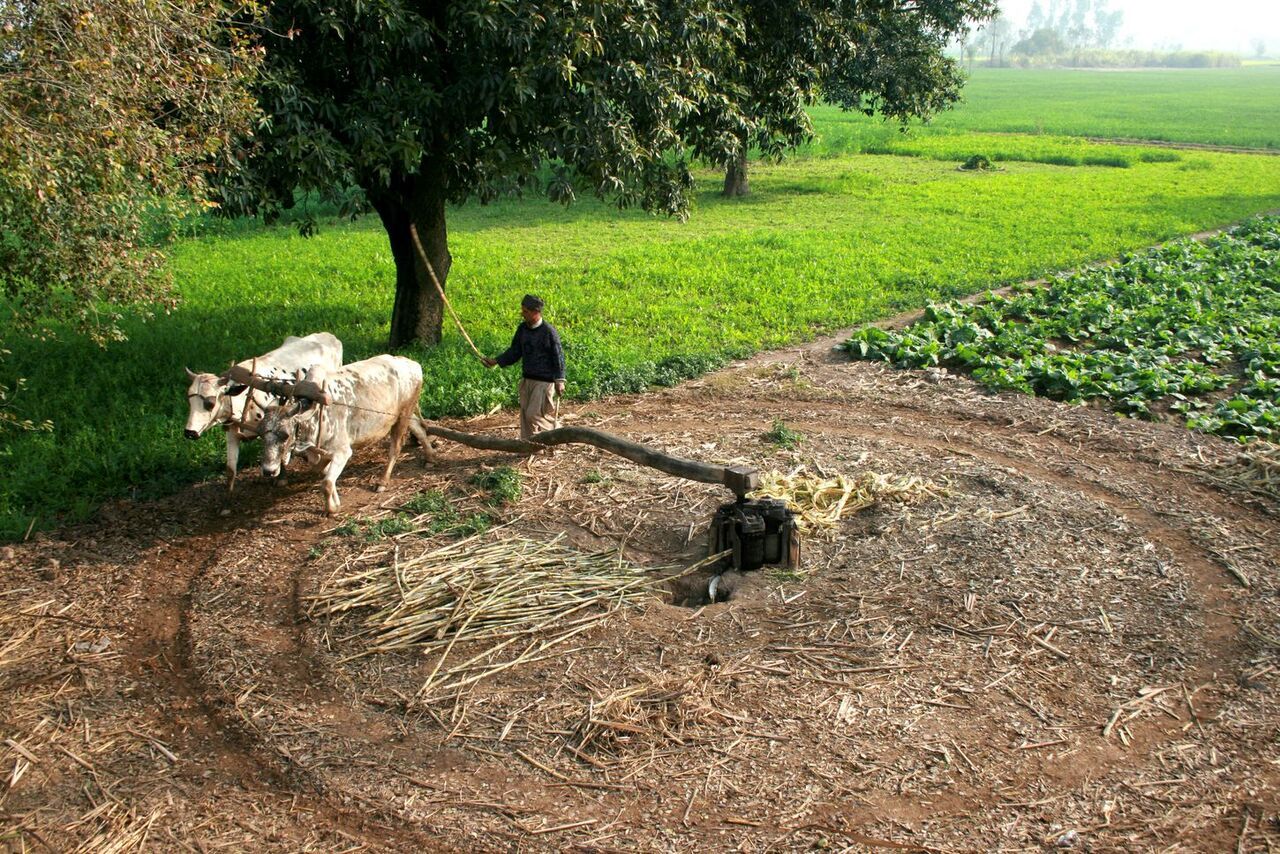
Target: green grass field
1220, 106
825, 242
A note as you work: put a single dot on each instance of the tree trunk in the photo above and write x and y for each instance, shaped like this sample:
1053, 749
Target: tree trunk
735, 177
419, 200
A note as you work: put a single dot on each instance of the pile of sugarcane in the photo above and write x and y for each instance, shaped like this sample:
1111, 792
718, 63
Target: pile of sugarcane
509, 594
820, 501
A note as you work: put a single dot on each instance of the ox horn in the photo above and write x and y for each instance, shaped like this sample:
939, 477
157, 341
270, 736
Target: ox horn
190, 373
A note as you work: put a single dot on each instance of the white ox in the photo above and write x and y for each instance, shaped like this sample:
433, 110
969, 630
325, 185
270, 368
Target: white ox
216, 400
368, 401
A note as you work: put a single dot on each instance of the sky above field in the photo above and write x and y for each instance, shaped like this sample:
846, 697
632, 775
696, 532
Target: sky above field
1192, 24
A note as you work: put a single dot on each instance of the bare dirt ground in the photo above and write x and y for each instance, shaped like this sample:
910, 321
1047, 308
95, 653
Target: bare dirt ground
1074, 647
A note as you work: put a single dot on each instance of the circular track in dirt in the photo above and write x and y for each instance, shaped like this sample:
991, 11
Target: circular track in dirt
1055, 651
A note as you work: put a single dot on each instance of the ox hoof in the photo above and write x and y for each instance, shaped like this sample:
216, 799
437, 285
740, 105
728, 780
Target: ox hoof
382, 487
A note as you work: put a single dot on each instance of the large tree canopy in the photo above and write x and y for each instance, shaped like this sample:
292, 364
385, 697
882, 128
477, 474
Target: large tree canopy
421, 104
111, 114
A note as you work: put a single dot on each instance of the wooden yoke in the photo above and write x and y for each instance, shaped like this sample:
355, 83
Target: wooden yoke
282, 388
738, 479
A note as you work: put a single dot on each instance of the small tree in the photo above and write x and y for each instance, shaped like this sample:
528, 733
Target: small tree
997, 34
971, 48
780, 61
1076, 29
111, 115
1043, 42
793, 49
900, 69
1036, 18
1106, 24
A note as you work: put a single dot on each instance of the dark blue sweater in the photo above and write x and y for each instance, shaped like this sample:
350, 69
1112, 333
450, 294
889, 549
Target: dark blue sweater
540, 350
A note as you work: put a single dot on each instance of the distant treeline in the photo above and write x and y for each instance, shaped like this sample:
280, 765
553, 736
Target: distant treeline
1076, 34
1094, 58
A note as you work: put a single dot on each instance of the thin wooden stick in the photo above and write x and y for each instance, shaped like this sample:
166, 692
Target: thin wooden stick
561, 827
431, 271
1053, 649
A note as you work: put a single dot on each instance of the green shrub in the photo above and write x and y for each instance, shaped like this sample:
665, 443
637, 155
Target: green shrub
433, 501
977, 163
388, 526
675, 369
443, 515
476, 523
502, 484
1113, 160
783, 436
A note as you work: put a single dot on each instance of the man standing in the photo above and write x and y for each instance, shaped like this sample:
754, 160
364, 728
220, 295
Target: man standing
537, 345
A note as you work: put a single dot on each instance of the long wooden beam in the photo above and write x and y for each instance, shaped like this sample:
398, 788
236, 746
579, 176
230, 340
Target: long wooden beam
739, 479
283, 388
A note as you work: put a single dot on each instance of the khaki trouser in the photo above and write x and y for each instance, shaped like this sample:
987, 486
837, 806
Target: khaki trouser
537, 407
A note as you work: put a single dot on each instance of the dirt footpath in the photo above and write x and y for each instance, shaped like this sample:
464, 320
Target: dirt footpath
1072, 645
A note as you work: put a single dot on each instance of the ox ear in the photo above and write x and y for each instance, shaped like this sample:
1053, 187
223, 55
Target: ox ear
237, 390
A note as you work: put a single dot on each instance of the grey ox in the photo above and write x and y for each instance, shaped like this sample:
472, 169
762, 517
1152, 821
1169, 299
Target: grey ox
367, 401
216, 400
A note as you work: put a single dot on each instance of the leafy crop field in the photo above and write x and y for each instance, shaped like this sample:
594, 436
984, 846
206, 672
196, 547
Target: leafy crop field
1173, 326
823, 244
1219, 106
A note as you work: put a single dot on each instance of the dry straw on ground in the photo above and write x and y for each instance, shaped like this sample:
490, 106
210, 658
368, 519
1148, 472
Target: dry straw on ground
1256, 470
508, 593
508, 600
819, 502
